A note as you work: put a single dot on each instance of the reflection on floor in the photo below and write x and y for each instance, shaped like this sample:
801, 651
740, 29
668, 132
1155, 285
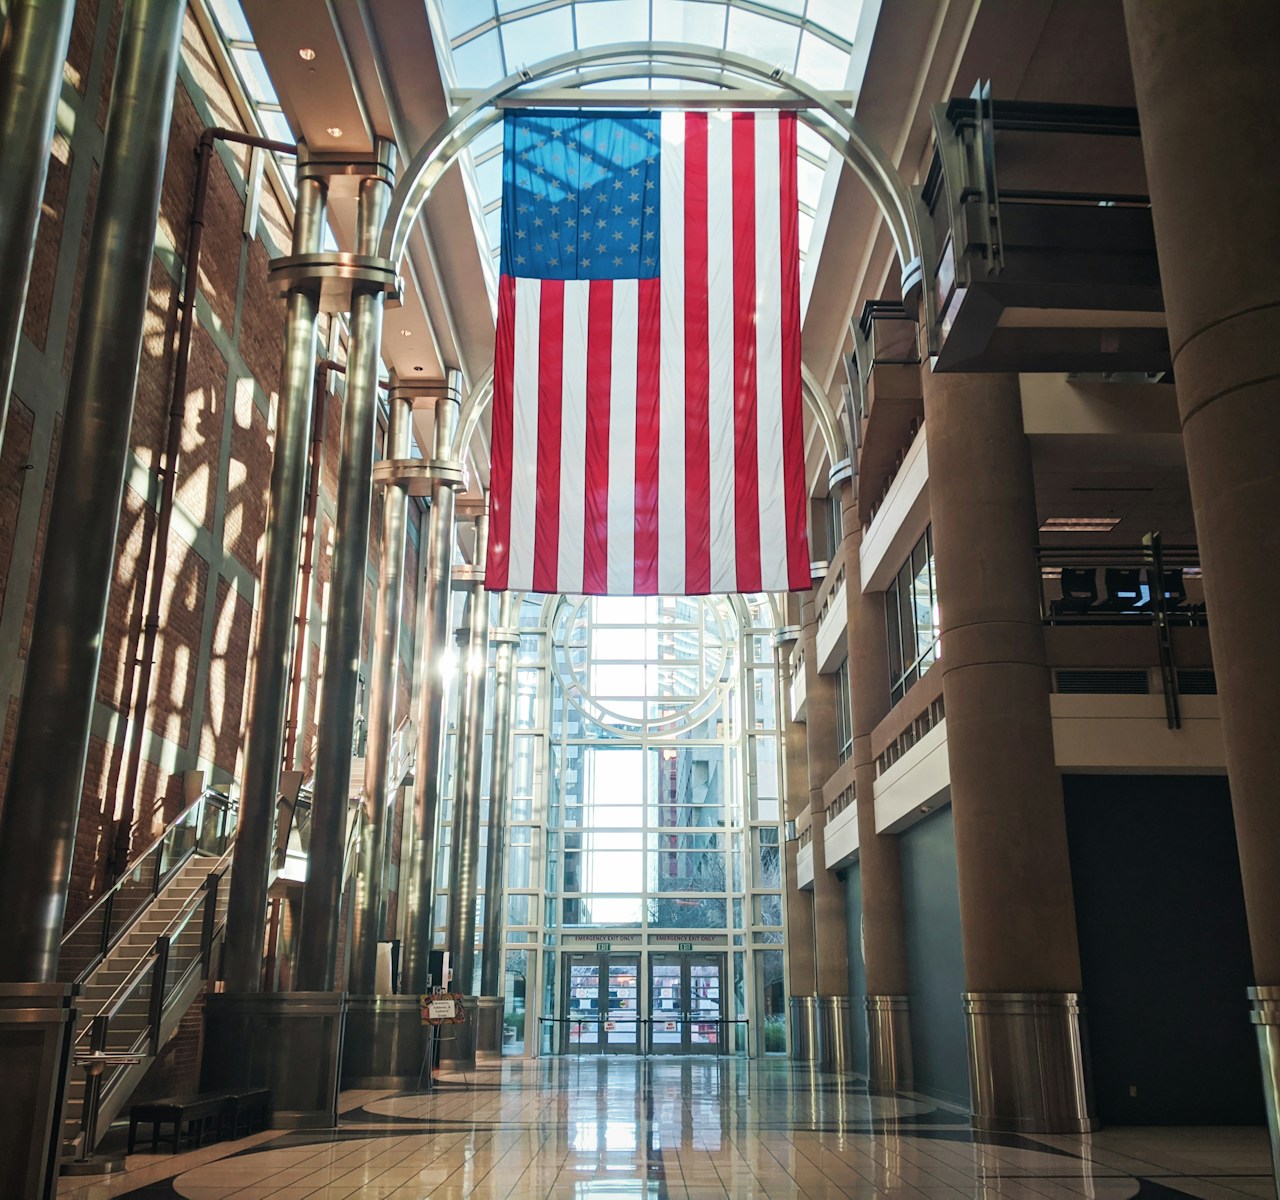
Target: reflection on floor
684, 1128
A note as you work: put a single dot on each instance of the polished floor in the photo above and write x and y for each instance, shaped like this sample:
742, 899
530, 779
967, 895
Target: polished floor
686, 1129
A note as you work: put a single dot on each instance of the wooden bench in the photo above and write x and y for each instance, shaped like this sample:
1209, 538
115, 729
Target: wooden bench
223, 1112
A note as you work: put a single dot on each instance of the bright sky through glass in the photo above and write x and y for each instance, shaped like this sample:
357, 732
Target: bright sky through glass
490, 39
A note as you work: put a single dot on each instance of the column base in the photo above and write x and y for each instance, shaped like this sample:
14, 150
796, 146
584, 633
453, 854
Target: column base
458, 1042
36, 1023
289, 1042
835, 1033
1028, 1066
889, 1060
488, 1028
385, 1044
1266, 1019
806, 1029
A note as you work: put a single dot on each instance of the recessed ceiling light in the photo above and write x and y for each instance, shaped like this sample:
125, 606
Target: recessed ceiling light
1079, 524
406, 333
306, 54
334, 131
419, 368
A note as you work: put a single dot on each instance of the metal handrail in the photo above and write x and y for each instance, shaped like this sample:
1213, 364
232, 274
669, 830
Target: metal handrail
103, 908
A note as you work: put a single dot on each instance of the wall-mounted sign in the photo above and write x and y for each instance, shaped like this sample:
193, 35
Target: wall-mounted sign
604, 947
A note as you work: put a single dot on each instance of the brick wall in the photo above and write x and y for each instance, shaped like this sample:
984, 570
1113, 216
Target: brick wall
196, 710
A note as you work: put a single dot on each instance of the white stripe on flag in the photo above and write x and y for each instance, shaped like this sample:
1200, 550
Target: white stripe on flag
622, 437
720, 382
524, 433
573, 435
773, 513
671, 501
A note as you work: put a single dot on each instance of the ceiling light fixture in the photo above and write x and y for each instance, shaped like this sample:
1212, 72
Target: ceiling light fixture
334, 131
1079, 524
406, 333
307, 54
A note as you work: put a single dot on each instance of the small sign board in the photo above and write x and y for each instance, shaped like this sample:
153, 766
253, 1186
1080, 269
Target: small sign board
670, 1026
610, 1025
443, 1008
604, 947
685, 946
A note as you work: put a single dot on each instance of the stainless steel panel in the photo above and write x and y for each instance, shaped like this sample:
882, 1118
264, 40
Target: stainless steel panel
1028, 1064
806, 1039
835, 1033
289, 1042
385, 1045
488, 1028
889, 1056
1266, 1019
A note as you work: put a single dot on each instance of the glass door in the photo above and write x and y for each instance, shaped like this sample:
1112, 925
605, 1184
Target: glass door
686, 1003
602, 1004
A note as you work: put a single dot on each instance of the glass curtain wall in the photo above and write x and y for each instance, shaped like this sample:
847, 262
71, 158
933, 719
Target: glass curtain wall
645, 805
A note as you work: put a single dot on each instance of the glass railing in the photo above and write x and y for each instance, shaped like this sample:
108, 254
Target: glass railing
206, 826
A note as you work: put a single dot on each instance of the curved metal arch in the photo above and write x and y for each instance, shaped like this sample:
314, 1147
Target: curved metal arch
860, 153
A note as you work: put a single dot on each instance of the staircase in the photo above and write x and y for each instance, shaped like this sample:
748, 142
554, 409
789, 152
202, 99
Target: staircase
142, 954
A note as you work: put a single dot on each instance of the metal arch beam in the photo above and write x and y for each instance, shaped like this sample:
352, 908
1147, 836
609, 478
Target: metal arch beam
860, 153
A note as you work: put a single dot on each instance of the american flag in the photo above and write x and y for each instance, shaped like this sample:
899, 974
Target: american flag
647, 430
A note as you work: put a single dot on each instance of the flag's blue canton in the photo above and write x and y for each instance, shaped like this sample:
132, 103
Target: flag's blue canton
580, 195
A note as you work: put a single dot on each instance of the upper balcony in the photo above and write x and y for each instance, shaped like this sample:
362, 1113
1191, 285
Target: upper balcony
1044, 255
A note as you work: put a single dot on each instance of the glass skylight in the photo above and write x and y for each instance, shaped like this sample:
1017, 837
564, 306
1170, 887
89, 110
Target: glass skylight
490, 39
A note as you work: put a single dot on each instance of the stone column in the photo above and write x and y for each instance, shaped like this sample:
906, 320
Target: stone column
1204, 75
831, 945
802, 981
1022, 962
884, 933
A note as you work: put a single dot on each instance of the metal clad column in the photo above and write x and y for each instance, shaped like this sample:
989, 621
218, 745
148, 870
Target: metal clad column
35, 47
246, 903
37, 830
473, 646
420, 925
371, 901
489, 1015
322, 892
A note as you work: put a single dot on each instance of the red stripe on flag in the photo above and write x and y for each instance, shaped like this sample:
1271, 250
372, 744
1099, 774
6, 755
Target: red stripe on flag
697, 447
546, 539
595, 525
746, 484
798, 572
497, 568
648, 418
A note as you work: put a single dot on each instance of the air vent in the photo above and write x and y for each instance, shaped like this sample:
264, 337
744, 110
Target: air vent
1103, 683
1202, 682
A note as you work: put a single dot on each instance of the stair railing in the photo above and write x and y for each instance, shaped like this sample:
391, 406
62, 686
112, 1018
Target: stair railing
164, 973
207, 825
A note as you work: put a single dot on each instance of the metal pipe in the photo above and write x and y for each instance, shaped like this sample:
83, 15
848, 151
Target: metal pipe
38, 825
322, 892
495, 876
37, 33
371, 894
247, 900
420, 925
473, 643
141, 693
306, 570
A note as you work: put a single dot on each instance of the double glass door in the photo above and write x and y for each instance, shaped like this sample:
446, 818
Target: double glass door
686, 1003
607, 1011
602, 1005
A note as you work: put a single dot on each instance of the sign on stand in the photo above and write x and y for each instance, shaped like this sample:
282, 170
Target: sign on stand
442, 1008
